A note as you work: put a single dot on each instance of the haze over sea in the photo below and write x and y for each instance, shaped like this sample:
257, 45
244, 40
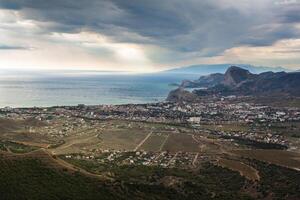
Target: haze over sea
29, 89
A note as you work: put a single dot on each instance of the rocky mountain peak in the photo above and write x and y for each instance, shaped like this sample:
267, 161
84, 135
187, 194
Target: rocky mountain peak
235, 75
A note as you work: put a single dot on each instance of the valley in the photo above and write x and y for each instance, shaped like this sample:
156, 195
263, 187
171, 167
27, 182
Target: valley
159, 145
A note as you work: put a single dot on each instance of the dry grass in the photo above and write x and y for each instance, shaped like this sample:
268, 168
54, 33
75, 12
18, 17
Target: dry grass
75, 144
227, 127
279, 157
121, 139
154, 142
245, 170
181, 142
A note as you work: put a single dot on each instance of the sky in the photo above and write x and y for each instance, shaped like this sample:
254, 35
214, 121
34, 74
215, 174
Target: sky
148, 35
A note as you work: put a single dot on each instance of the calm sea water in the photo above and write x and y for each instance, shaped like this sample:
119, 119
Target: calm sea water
42, 90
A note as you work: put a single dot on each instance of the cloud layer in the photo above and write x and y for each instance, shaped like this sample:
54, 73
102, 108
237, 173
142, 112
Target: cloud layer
150, 34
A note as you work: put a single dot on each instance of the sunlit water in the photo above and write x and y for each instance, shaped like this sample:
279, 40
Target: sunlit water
42, 90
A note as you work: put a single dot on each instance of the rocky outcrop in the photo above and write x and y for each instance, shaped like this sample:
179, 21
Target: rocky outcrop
235, 76
271, 84
204, 81
241, 82
238, 81
181, 95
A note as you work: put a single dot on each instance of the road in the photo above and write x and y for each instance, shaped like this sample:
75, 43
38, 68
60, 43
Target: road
142, 142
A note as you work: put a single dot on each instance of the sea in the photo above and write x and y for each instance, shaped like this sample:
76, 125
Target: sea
44, 89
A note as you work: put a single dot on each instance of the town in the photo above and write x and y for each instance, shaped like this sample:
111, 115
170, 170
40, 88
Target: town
208, 127
214, 112
137, 143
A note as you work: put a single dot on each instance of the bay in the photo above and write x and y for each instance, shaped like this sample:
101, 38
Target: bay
44, 89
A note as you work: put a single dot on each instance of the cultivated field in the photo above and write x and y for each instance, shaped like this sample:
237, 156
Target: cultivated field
181, 142
227, 127
68, 136
279, 157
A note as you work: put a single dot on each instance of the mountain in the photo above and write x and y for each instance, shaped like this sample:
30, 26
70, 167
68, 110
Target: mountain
232, 77
235, 75
280, 83
221, 68
180, 95
204, 81
240, 81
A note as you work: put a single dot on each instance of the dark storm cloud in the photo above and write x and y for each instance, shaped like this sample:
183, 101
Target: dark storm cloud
207, 27
268, 34
290, 14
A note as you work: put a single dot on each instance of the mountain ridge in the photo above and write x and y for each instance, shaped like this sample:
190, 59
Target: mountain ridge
240, 81
221, 68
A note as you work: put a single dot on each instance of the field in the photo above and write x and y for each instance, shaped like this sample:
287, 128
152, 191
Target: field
16, 147
20, 132
121, 139
155, 142
283, 158
130, 136
181, 142
131, 160
76, 144
245, 170
112, 134
227, 127
91, 136
66, 136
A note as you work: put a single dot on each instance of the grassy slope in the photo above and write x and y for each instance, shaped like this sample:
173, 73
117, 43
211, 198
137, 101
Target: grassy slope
30, 178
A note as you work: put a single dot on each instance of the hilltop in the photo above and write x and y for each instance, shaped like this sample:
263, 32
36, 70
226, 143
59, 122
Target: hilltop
221, 68
240, 81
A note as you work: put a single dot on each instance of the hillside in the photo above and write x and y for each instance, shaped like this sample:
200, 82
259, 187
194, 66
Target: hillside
180, 95
221, 68
240, 81
37, 177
